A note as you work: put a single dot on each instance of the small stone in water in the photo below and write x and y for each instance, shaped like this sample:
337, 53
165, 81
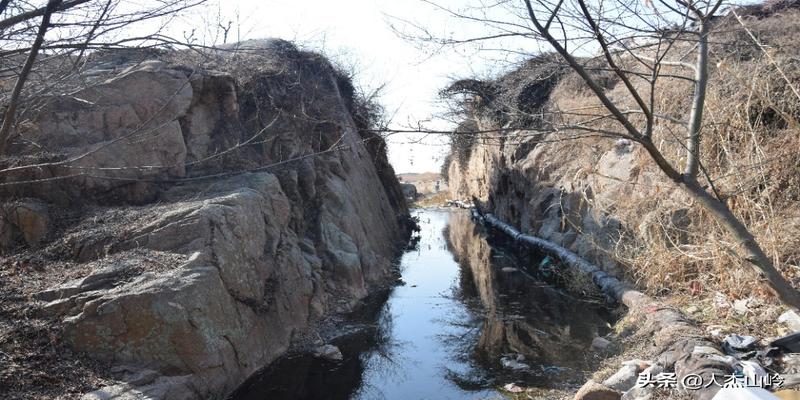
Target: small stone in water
513, 364
513, 388
329, 352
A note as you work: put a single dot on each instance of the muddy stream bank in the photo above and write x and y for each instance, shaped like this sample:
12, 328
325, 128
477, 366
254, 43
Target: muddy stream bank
470, 314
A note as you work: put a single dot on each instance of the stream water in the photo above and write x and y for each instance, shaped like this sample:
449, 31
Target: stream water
471, 317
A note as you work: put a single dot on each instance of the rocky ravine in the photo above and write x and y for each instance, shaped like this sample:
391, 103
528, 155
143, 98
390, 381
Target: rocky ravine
558, 191
604, 198
582, 193
213, 271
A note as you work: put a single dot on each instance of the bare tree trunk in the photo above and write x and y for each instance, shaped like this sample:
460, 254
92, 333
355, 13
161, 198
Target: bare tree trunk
3, 5
11, 110
698, 102
753, 253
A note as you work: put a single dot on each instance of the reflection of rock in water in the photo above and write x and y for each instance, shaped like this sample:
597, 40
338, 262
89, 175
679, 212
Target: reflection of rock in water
306, 377
425, 343
523, 315
303, 376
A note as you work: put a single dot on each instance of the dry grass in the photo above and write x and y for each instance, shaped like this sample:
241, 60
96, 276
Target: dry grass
666, 244
751, 152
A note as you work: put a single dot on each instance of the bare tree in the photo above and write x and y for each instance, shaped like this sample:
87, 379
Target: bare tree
639, 44
45, 46
13, 101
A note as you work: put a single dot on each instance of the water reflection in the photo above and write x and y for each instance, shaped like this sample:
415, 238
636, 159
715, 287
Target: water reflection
443, 333
526, 319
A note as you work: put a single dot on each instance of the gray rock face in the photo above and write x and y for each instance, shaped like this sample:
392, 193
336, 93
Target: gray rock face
212, 281
26, 221
625, 378
571, 192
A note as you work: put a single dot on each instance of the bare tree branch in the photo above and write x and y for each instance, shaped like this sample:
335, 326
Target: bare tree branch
620, 39
11, 108
698, 102
8, 22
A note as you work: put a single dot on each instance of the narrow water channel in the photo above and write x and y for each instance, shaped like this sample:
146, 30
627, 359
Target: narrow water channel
470, 317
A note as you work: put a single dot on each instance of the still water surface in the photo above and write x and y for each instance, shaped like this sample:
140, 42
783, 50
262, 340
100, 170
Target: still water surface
466, 306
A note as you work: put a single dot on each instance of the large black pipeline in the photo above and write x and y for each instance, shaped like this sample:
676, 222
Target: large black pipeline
678, 342
610, 285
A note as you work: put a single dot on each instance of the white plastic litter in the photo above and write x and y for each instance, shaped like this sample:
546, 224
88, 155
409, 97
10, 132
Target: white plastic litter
790, 319
748, 393
753, 370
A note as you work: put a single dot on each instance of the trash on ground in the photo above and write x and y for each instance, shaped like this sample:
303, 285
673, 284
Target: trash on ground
789, 343
513, 388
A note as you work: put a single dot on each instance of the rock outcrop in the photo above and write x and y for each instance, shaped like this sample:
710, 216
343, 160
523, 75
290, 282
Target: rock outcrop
565, 192
557, 184
214, 215
555, 170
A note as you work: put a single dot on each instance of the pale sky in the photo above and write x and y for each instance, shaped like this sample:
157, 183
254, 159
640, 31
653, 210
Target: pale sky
359, 31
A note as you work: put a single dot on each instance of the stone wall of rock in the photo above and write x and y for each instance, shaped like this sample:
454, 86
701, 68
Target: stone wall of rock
213, 215
577, 193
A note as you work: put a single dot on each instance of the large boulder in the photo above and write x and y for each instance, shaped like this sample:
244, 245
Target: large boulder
110, 138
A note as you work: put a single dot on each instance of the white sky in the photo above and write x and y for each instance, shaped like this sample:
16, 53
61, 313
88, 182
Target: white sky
359, 31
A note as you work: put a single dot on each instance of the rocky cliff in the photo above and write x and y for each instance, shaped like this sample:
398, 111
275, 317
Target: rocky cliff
605, 199
182, 220
560, 190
